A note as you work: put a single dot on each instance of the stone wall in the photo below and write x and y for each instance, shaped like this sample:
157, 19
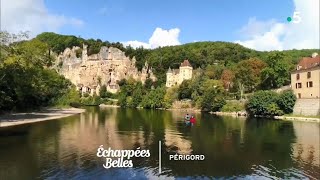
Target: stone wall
307, 107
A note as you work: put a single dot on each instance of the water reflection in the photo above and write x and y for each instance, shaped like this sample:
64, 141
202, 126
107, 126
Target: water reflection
233, 147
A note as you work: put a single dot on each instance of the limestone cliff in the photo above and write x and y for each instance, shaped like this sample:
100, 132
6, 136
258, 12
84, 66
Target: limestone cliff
107, 67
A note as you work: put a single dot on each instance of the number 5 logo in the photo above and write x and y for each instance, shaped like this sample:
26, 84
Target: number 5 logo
296, 17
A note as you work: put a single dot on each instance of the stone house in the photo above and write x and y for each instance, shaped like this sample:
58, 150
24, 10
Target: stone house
305, 83
305, 80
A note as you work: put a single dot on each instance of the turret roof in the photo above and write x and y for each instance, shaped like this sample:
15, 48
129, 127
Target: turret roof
185, 63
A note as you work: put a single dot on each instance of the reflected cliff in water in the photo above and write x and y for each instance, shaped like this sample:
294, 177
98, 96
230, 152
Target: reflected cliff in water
66, 148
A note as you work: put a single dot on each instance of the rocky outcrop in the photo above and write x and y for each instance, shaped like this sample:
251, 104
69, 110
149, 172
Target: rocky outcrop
107, 67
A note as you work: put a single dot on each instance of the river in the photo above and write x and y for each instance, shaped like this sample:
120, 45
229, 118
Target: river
233, 148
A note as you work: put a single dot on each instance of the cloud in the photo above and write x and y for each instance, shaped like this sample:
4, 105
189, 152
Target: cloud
273, 35
33, 16
136, 44
160, 37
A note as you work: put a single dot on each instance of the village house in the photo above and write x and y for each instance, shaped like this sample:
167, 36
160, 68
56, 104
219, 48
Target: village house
305, 83
177, 76
305, 79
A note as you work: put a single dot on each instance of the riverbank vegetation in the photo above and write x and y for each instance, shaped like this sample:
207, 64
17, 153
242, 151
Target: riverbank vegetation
26, 79
269, 103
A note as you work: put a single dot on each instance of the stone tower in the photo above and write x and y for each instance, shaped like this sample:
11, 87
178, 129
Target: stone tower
185, 71
169, 78
84, 53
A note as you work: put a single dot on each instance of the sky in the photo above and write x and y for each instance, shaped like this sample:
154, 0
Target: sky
256, 24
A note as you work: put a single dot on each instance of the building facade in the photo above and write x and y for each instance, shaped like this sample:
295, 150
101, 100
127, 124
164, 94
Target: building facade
305, 80
177, 76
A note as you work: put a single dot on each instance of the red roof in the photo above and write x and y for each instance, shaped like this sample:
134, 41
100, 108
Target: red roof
185, 63
309, 62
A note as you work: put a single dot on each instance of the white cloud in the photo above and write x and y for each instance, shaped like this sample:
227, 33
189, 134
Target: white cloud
136, 44
273, 35
160, 37
33, 16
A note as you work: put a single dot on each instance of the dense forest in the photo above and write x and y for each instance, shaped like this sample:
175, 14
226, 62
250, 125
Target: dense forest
28, 81
200, 54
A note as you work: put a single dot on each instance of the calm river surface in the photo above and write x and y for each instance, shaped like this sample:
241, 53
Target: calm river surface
233, 148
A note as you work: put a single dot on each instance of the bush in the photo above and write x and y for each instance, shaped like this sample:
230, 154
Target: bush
233, 107
185, 106
122, 100
91, 100
212, 101
75, 104
154, 99
274, 110
269, 103
71, 98
86, 95
259, 103
170, 96
286, 101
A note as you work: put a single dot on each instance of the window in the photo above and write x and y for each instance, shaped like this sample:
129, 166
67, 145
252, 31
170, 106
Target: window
310, 84
298, 85
298, 76
309, 75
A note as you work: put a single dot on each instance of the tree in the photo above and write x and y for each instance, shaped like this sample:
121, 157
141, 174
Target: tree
170, 96
277, 73
154, 99
137, 95
213, 95
264, 103
148, 83
122, 99
103, 91
227, 78
248, 73
213, 71
286, 101
26, 83
185, 91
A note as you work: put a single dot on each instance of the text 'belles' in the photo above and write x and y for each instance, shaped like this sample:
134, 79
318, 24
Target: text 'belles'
123, 156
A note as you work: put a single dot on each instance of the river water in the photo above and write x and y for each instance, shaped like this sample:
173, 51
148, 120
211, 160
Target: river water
233, 148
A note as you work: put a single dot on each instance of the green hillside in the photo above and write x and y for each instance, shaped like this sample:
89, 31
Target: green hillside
200, 54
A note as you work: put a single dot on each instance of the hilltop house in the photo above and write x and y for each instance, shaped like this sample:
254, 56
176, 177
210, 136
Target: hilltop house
177, 76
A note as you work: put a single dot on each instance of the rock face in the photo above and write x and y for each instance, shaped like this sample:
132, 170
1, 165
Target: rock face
107, 67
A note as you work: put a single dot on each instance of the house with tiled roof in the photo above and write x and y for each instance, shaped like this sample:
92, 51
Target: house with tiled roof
305, 79
177, 76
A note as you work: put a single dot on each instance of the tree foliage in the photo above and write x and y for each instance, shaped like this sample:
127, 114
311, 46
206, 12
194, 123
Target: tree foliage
286, 101
185, 91
269, 103
277, 73
25, 80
